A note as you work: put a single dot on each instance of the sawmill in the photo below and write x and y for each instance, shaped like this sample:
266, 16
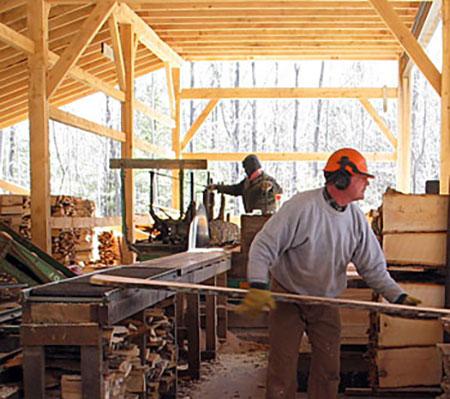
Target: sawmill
290, 289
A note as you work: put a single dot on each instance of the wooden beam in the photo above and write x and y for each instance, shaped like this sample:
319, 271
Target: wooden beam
172, 164
16, 40
444, 174
277, 92
283, 156
74, 50
170, 89
404, 135
408, 42
128, 37
147, 36
176, 147
84, 124
117, 48
92, 222
38, 116
379, 121
154, 114
13, 188
198, 123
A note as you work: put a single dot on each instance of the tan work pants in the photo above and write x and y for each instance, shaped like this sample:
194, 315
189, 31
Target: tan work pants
287, 323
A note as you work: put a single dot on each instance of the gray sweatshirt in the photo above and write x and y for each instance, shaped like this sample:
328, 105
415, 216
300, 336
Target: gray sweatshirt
307, 246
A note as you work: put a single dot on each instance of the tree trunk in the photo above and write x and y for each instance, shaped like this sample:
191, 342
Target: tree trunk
254, 146
295, 130
318, 115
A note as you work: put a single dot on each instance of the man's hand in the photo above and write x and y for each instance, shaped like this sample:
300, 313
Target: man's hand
212, 187
255, 302
408, 300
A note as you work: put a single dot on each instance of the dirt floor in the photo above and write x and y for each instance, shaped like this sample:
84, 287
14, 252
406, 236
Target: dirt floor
238, 373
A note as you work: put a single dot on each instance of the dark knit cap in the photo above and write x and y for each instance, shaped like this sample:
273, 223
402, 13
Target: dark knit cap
250, 164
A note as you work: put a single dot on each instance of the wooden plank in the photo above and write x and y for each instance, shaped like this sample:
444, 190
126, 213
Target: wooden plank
79, 43
379, 121
444, 170
277, 92
60, 334
408, 42
355, 323
413, 366
92, 222
425, 249
137, 163
198, 123
222, 313
42, 313
405, 311
399, 332
414, 212
282, 156
38, 117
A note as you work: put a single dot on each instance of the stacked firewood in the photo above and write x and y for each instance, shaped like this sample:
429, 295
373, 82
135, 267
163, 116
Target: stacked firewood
161, 353
109, 248
70, 245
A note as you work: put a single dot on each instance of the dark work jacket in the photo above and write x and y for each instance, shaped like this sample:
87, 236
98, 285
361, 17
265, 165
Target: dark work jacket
252, 194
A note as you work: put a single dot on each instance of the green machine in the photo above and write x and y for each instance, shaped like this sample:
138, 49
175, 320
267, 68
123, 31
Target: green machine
27, 263
167, 235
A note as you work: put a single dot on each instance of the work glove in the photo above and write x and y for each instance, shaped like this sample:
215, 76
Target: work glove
255, 301
405, 299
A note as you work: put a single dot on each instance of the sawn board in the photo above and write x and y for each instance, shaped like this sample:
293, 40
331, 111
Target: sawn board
392, 309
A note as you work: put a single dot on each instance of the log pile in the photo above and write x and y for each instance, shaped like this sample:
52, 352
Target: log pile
413, 231
109, 248
69, 245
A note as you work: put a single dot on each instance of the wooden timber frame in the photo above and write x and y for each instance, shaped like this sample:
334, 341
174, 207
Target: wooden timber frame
49, 56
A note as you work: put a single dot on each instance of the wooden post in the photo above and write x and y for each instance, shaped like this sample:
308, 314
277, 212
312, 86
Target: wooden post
210, 324
193, 334
445, 102
176, 146
34, 372
222, 315
128, 38
404, 135
38, 117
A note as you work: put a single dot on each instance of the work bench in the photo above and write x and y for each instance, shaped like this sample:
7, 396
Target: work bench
73, 312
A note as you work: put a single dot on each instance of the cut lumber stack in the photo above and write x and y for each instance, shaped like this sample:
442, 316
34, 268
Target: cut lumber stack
69, 245
413, 236
414, 229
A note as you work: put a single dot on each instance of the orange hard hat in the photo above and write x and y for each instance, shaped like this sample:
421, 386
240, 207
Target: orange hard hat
348, 159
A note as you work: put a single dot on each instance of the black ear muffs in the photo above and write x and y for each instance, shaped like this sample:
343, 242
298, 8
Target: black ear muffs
341, 178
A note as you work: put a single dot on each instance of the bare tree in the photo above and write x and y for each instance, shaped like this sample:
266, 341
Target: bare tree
318, 118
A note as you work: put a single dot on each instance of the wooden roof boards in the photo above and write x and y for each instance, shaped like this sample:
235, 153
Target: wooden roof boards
193, 30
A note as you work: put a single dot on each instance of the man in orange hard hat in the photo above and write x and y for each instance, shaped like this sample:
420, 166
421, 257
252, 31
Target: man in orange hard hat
305, 249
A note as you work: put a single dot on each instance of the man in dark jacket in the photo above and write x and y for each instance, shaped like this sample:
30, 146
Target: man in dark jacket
258, 189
